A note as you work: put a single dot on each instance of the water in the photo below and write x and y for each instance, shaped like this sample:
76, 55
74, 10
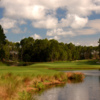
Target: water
89, 89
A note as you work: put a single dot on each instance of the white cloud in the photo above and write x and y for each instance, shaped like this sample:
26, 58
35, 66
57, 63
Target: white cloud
94, 24
38, 9
17, 30
73, 21
92, 27
47, 23
77, 44
21, 22
36, 36
90, 43
77, 22
86, 32
19, 9
56, 37
42, 14
59, 32
38, 12
7, 23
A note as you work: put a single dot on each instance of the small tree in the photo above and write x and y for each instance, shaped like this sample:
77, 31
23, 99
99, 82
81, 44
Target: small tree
2, 37
2, 42
99, 48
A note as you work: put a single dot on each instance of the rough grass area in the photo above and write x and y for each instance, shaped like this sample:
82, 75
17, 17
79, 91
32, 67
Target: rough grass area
16, 87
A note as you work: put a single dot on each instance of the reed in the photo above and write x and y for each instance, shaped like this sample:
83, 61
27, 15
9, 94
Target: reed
21, 87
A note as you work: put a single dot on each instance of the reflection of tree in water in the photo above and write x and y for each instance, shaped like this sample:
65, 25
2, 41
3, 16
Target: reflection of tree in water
99, 77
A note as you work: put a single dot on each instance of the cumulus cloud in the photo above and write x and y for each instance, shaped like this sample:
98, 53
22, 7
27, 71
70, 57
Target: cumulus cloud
42, 14
56, 37
86, 32
7, 23
94, 24
77, 22
19, 9
73, 21
59, 32
36, 36
47, 23
91, 28
37, 9
87, 43
22, 22
17, 30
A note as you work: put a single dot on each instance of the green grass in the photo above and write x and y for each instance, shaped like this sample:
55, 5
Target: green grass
42, 68
82, 64
27, 71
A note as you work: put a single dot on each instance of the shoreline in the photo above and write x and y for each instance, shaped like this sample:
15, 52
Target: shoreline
71, 77
19, 87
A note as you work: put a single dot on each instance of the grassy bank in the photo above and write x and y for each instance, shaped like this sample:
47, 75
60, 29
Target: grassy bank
19, 82
20, 87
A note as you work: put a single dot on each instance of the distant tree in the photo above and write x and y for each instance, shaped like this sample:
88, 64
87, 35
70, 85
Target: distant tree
2, 54
27, 58
2, 37
2, 42
54, 50
99, 47
41, 52
7, 47
26, 46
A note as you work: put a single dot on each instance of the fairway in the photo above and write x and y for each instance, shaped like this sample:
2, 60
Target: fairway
49, 68
82, 64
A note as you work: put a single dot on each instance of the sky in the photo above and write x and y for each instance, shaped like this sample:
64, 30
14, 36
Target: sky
76, 21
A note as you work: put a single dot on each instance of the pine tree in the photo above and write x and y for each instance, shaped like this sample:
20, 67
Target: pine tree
99, 47
2, 42
2, 37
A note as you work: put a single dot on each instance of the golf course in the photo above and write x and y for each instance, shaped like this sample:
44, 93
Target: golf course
23, 81
49, 68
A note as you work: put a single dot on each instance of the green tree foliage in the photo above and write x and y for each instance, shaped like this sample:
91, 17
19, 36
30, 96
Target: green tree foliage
26, 49
2, 54
2, 37
11, 50
2, 43
99, 47
43, 50
51, 50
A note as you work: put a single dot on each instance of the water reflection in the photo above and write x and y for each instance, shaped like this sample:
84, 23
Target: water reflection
87, 90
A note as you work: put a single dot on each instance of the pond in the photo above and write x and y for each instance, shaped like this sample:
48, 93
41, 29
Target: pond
89, 89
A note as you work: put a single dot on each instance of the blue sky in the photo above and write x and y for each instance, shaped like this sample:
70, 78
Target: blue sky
66, 21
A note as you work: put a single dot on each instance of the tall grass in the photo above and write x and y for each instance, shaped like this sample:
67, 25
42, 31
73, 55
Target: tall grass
18, 87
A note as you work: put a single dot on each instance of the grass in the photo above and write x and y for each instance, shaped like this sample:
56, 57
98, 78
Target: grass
82, 64
21, 87
16, 82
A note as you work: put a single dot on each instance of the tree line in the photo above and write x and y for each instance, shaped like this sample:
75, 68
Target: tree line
44, 50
